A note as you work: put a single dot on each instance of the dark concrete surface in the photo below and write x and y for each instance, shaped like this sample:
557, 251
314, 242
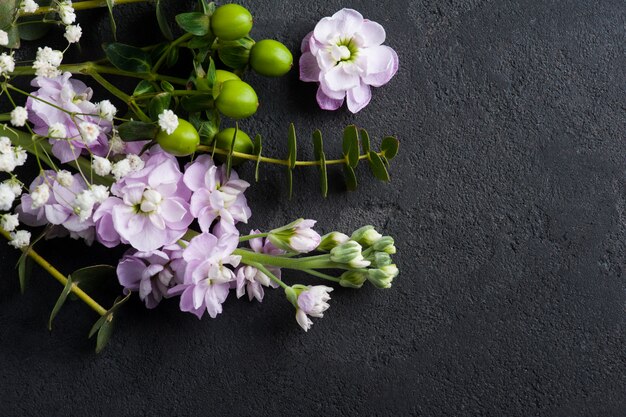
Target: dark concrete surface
508, 202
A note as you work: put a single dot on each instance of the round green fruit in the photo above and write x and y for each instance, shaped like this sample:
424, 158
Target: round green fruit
236, 99
182, 142
231, 21
223, 76
243, 144
270, 58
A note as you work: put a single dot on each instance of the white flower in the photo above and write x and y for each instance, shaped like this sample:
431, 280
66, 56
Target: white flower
136, 163
100, 193
89, 132
40, 195
6, 197
20, 156
4, 38
121, 169
47, 62
106, 110
66, 12
65, 178
5, 144
9, 222
20, 239
116, 144
73, 33
15, 185
101, 166
7, 162
57, 131
168, 121
312, 302
83, 204
29, 6
19, 115
7, 64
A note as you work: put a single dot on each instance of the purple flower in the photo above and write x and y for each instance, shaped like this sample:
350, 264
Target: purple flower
214, 195
250, 279
297, 236
151, 273
150, 207
345, 54
312, 302
207, 277
73, 96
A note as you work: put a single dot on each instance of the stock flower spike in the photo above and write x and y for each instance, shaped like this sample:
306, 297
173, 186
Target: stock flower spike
346, 56
155, 177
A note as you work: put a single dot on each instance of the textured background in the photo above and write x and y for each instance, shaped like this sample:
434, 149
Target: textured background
508, 202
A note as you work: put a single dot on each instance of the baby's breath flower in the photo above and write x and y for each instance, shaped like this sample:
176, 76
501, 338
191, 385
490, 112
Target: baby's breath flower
83, 204
40, 196
19, 115
121, 169
47, 62
89, 132
106, 110
20, 239
9, 222
57, 131
73, 33
66, 12
65, 178
28, 6
136, 163
168, 121
15, 185
6, 197
116, 144
7, 64
101, 166
99, 193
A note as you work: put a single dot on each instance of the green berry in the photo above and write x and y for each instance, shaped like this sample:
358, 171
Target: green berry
236, 99
231, 22
243, 144
270, 58
182, 142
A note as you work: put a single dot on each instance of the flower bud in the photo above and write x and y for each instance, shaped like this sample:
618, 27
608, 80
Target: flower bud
353, 279
349, 253
385, 244
380, 259
331, 240
292, 296
366, 235
382, 277
297, 236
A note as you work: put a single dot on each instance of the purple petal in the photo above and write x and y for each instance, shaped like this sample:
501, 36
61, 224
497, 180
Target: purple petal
304, 46
129, 272
309, 69
359, 97
196, 172
327, 103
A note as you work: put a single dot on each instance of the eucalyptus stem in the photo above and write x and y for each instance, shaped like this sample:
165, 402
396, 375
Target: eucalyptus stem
213, 149
60, 277
81, 5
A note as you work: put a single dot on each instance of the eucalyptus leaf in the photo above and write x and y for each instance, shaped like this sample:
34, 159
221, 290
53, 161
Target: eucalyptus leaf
351, 183
378, 167
292, 146
318, 144
290, 182
323, 174
62, 298
24, 268
162, 21
112, 18
195, 23
128, 58
365, 141
350, 145
104, 334
136, 131
258, 148
389, 146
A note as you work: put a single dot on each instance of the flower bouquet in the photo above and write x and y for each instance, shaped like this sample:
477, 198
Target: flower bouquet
152, 169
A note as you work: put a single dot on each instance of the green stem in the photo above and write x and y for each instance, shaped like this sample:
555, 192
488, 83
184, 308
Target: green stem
172, 44
81, 5
59, 277
249, 237
213, 149
322, 275
269, 274
249, 257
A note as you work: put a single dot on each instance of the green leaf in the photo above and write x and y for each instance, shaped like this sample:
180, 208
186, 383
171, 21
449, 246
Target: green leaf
144, 87
323, 174
318, 145
365, 141
167, 87
207, 7
24, 268
162, 21
57, 306
172, 58
85, 277
292, 146
290, 182
128, 58
350, 145
235, 54
112, 18
389, 146
201, 42
258, 148
197, 102
104, 334
158, 104
8, 9
378, 167
195, 23
135, 131
34, 29
14, 37
351, 182
211, 74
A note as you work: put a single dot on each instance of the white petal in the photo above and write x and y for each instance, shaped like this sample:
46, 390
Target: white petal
370, 34
337, 79
359, 97
325, 29
347, 22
